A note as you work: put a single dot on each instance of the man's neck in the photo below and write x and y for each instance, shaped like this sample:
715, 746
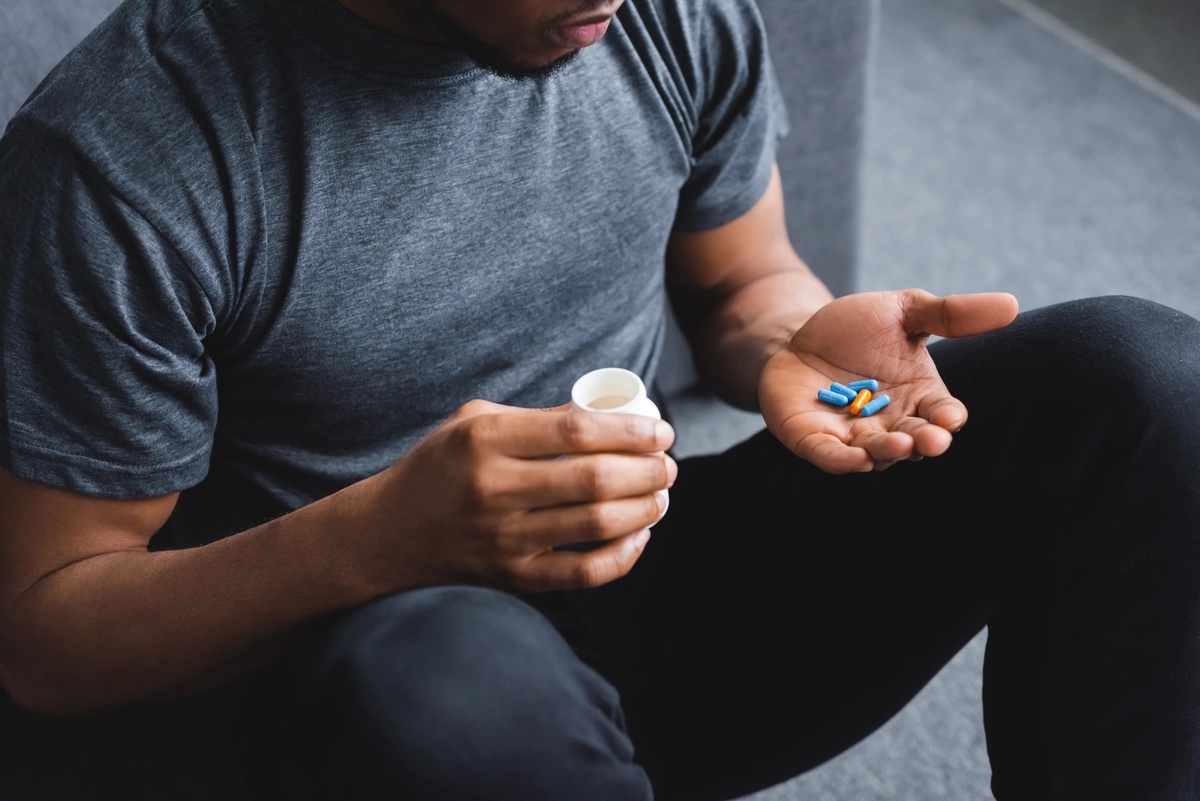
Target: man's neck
391, 16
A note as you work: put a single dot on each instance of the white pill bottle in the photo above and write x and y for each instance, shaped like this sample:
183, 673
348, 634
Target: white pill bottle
615, 389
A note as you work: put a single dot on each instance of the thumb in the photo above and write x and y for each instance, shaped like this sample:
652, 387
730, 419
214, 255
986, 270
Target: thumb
926, 314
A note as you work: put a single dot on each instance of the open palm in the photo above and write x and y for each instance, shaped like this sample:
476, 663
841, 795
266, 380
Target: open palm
879, 335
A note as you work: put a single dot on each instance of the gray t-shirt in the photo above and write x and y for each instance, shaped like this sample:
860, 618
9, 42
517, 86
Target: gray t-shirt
255, 249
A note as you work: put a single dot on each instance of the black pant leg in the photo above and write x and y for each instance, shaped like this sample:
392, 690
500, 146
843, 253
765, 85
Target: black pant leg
453, 693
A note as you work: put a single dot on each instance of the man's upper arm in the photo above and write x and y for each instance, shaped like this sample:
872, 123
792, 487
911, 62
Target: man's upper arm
705, 267
45, 528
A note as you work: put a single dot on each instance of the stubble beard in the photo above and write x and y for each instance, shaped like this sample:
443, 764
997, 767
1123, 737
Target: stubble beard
490, 57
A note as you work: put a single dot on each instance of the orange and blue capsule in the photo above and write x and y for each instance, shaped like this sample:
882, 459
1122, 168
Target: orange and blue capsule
860, 400
874, 405
858, 395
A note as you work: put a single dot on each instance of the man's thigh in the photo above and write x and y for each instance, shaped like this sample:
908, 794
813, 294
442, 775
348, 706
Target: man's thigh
780, 614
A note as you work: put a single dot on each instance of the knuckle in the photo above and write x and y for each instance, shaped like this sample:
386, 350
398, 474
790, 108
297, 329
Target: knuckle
479, 441
598, 569
504, 535
465, 438
579, 430
596, 521
478, 432
480, 490
599, 478
474, 408
639, 427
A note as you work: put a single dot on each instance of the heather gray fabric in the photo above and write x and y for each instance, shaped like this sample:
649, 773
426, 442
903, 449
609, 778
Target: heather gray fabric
275, 241
822, 53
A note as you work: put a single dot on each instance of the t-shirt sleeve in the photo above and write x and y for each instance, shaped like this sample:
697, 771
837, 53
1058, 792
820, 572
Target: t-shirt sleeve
740, 116
104, 382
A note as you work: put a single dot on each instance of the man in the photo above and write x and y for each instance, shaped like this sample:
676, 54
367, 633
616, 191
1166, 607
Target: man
294, 293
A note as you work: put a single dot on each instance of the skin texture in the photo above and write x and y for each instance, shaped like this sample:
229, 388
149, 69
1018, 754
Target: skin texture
513, 38
90, 619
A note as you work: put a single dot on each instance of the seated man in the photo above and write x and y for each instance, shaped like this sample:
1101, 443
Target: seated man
294, 295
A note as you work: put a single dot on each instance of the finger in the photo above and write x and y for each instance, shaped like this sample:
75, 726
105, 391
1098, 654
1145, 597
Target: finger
945, 411
479, 407
830, 453
563, 570
540, 433
558, 526
532, 483
925, 438
890, 446
957, 315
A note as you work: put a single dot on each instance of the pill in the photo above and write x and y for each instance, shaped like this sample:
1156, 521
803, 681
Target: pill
860, 400
836, 398
866, 383
844, 390
875, 404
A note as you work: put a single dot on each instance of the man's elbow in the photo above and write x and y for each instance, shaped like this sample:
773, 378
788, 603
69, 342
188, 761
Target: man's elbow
32, 691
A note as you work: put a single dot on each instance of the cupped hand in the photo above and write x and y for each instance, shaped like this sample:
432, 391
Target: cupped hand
493, 494
880, 335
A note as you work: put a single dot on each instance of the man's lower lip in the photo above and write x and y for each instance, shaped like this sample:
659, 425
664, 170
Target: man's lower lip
578, 36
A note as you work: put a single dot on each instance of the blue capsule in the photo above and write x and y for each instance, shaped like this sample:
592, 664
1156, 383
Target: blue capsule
866, 383
842, 389
836, 398
875, 404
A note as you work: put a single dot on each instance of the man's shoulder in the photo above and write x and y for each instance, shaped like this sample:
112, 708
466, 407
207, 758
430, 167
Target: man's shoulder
693, 12
144, 112
131, 67
696, 29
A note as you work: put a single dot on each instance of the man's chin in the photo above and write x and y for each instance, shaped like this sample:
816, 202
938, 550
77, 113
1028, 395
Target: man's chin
516, 70
489, 57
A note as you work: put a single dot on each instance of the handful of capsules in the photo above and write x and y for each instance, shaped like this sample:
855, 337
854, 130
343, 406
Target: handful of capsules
858, 395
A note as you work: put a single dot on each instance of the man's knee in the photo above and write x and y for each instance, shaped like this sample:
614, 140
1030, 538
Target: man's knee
465, 690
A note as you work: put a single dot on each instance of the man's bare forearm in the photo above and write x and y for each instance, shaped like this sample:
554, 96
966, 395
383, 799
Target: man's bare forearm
740, 334
130, 626
739, 292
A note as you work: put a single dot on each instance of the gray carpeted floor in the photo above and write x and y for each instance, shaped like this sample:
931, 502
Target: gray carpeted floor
1160, 36
1002, 157
1002, 154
